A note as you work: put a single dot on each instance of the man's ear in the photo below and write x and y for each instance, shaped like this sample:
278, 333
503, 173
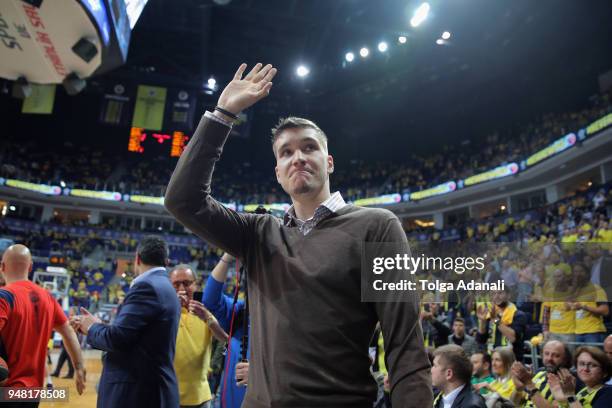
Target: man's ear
330, 164
276, 172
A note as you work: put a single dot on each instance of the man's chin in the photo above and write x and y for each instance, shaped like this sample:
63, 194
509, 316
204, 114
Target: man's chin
301, 189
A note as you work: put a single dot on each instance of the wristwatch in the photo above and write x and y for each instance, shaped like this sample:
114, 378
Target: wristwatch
571, 399
532, 392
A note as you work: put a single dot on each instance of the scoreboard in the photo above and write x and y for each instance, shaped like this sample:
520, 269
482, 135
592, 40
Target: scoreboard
160, 143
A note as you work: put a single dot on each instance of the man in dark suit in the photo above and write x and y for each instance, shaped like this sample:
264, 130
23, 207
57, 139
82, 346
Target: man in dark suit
140, 343
451, 373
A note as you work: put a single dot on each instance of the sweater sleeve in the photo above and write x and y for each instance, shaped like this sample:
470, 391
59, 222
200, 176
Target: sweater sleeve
405, 356
188, 196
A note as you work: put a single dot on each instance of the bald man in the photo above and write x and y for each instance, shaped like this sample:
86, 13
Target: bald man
28, 314
608, 350
533, 390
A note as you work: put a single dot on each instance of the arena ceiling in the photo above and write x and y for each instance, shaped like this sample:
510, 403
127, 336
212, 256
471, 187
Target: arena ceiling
507, 62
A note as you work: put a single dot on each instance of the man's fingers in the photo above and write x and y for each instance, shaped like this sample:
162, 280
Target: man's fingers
265, 90
269, 76
196, 305
84, 311
254, 71
262, 73
240, 71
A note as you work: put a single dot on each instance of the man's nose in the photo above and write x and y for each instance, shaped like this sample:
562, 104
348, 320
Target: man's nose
298, 156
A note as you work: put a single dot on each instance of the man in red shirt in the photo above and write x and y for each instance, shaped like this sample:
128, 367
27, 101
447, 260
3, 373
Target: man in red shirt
28, 314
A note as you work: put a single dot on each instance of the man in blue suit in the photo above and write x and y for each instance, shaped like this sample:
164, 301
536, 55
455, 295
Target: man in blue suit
140, 343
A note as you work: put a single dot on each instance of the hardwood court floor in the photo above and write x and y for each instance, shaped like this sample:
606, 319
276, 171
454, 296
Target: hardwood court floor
93, 365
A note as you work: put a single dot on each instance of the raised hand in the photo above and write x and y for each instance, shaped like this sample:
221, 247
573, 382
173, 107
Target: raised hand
242, 93
482, 312
198, 309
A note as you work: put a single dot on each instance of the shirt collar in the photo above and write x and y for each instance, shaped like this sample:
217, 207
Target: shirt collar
334, 203
450, 398
149, 272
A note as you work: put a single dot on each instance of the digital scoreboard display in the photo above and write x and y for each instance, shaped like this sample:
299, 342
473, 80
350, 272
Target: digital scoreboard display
143, 141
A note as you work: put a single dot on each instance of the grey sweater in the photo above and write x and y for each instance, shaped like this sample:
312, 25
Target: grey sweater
309, 330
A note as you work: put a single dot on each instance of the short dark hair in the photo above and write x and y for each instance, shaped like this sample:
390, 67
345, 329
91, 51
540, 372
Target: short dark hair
459, 319
454, 357
293, 122
152, 250
486, 357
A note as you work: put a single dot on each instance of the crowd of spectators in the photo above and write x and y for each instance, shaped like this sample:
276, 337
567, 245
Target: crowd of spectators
80, 167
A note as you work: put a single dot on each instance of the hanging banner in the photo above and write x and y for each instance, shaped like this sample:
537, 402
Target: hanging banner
149, 110
40, 101
180, 110
116, 106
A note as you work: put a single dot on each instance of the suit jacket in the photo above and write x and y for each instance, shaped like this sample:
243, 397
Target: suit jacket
140, 343
467, 398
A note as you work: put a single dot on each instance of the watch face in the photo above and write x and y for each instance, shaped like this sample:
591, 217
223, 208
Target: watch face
571, 399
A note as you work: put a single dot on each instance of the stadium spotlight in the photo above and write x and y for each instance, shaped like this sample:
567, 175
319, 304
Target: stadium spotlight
440, 41
13, 208
364, 52
420, 15
402, 39
502, 207
349, 56
302, 71
383, 46
446, 35
212, 82
62, 184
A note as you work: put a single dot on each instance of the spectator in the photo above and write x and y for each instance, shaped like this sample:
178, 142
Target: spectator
503, 386
450, 373
503, 325
461, 339
608, 350
481, 371
534, 390
591, 306
594, 369
223, 308
193, 342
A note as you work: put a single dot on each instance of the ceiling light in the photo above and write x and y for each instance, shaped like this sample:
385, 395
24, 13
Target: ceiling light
420, 15
302, 71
